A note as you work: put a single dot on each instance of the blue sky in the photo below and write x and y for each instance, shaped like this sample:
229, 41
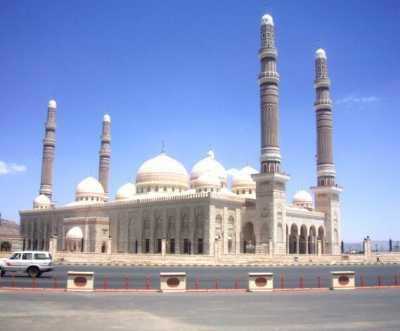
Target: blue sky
185, 72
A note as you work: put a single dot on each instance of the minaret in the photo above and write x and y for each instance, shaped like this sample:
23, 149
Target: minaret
269, 98
270, 182
323, 107
326, 192
105, 153
49, 145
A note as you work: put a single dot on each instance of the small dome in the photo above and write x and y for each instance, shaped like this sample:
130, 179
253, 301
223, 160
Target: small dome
248, 170
74, 233
209, 165
303, 199
267, 20
126, 191
89, 190
207, 182
52, 104
41, 202
106, 118
320, 53
162, 172
242, 183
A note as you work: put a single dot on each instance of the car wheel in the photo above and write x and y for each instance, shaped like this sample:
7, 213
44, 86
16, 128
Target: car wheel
33, 272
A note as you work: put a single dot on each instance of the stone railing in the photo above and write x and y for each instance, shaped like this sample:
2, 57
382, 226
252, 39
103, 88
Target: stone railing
206, 260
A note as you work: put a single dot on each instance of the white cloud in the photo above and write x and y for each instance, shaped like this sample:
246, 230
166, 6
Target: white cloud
11, 168
351, 99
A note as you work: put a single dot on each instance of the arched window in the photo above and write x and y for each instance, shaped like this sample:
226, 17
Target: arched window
103, 247
5, 246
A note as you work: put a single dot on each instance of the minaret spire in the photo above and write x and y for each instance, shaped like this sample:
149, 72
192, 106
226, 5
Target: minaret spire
323, 106
49, 145
327, 193
269, 98
105, 153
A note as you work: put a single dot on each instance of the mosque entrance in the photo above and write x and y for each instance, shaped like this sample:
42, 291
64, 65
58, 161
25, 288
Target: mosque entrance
249, 238
186, 246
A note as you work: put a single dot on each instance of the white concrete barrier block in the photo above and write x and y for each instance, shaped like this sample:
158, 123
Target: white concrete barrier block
173, 281
80, 281
342, 280
261, 281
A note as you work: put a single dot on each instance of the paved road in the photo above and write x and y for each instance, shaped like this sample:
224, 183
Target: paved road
363, 309
205, 277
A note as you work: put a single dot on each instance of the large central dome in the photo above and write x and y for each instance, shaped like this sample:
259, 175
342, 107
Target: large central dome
161, 174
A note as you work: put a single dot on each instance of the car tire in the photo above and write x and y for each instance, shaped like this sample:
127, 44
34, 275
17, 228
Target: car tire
33, 272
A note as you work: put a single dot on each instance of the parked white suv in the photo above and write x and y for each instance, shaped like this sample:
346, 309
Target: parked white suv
34, 263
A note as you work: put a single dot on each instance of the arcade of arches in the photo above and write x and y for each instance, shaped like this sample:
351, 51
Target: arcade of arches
303, 240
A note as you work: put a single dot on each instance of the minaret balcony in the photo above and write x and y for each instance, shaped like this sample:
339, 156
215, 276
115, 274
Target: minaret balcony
267, 53
323, 103
322, 83
268, 77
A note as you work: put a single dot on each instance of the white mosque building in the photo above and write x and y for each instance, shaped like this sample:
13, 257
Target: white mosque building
208, 210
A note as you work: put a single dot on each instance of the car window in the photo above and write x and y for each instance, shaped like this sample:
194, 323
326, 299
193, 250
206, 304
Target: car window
41, 256
16, 256
27, 256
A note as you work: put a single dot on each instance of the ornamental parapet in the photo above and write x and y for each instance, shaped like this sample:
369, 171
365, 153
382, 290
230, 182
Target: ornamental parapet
141, 201
268, 77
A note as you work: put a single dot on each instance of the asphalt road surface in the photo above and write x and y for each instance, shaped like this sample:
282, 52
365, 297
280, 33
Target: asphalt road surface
361, 309
207, 277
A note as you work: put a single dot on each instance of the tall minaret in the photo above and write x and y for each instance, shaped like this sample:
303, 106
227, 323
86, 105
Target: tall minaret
105, 153
269, 98
323, 107
326, 192
270, 182
49, 145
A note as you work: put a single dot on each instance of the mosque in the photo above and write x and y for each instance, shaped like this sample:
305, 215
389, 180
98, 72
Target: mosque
168, 210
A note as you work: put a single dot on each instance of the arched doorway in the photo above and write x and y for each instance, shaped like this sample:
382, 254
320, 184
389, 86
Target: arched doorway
249, 238
312, 249
293, 239
74, 239
303, 240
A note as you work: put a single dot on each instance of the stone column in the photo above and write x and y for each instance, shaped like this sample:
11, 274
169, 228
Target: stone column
163, 246
53, 246
152, 226
319, 247
192, 230
297, 244
225, 217
237, 231
178, 232
211, 239
306, 243
287, 244
109, 245
270, 247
